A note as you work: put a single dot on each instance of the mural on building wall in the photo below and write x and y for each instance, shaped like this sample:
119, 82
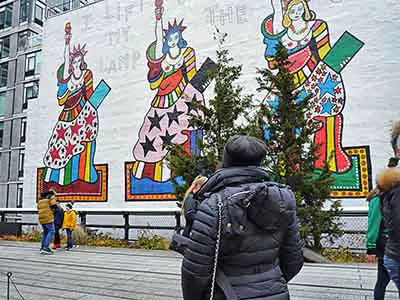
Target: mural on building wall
70, 158
317, 67
179, 87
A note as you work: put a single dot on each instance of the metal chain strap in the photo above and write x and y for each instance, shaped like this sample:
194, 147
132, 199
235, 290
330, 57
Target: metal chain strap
217, 245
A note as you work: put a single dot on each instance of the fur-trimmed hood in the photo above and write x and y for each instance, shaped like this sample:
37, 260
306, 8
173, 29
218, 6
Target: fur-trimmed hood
389, 179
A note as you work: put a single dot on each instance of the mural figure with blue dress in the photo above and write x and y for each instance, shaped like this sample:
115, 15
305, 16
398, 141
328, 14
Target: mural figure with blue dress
316, 66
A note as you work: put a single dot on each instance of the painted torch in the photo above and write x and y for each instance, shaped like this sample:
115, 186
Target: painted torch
159, 9
68, 29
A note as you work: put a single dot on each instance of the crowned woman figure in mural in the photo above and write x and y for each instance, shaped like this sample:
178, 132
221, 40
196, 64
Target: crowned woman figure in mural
172, 66
307, 40
72, 145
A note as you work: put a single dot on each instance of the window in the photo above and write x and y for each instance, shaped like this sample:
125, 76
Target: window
20, 195
32, 64
21, 163
5, 16
31, 91
39, 14
4, 47
2, 104
1, 133
23, 130
3, 74
23, 11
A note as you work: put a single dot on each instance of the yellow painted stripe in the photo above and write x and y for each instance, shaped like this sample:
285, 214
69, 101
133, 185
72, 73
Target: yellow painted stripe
296, 80
191, 74
320, 29
323, 51
157, 103
190, 61
187, 52
89, 82
302, 77
87, 167
331, 142
135, 168
158, 172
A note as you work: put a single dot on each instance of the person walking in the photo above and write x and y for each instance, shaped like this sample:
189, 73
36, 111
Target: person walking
245, 241
58, 222
69, 225
190, 203
45, 205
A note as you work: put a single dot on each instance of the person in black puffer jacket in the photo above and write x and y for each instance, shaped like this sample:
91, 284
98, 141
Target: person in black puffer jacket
260, 250
389, 184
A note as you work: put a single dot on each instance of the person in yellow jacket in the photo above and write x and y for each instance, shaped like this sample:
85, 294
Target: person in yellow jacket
69, 224
45, 206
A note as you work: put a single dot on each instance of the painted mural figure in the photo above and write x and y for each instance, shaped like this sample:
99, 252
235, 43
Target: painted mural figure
316, 68
172, 67
72, 145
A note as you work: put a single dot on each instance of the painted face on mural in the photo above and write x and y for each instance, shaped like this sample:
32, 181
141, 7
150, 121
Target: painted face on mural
296, 12
76, 64
173, 40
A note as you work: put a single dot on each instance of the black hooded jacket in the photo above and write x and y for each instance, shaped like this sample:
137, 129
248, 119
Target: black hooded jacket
260, 248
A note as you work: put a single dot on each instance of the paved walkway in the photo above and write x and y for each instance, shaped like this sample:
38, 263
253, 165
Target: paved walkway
107, 274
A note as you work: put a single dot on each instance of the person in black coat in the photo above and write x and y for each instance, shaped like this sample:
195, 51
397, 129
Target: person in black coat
389, 184
251, 225
58, 222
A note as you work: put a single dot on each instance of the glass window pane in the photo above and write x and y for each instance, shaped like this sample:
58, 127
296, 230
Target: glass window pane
2, 104
38, 60
8, 16
4, 47
3, 74
1, 133
39, 15
23, 12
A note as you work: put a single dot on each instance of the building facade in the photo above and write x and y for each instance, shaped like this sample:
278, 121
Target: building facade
120, 78
21, 27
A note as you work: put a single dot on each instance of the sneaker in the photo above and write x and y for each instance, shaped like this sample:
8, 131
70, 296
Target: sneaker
68, 248
46, 251
56, 246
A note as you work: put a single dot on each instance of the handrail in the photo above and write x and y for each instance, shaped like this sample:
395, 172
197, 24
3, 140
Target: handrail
125, 213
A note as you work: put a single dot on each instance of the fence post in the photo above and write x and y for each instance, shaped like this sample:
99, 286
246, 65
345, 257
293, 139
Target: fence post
9, 274
82, 216
178, 222
126, 226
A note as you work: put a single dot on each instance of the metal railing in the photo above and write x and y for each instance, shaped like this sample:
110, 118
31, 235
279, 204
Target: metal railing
175, 213
58, 7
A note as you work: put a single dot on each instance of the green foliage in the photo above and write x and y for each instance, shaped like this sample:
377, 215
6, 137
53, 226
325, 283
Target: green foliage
292, 154
148, 240
227, 114
343, 255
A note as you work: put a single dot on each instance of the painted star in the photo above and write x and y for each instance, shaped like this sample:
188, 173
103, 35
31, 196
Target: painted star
70, 149
88, 134
338, 90
89, 119
328, 87
327, 107
193, 105
167, 139
155, 121
54, 154
75, 129
148, 146
174, 116
61, 132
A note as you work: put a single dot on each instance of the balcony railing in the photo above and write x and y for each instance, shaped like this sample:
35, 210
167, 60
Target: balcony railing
27, 43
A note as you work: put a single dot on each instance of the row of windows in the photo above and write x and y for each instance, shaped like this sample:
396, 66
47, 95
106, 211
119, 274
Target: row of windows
31, 91
6, 13
22, 132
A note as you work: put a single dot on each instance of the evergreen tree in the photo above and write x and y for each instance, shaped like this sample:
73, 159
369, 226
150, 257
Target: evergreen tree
292, 154
225, 115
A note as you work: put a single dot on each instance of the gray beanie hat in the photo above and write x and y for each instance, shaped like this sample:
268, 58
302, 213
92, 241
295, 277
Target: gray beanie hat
241, 150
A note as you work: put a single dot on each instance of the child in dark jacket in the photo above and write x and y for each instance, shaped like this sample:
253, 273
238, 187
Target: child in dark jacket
58, 222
